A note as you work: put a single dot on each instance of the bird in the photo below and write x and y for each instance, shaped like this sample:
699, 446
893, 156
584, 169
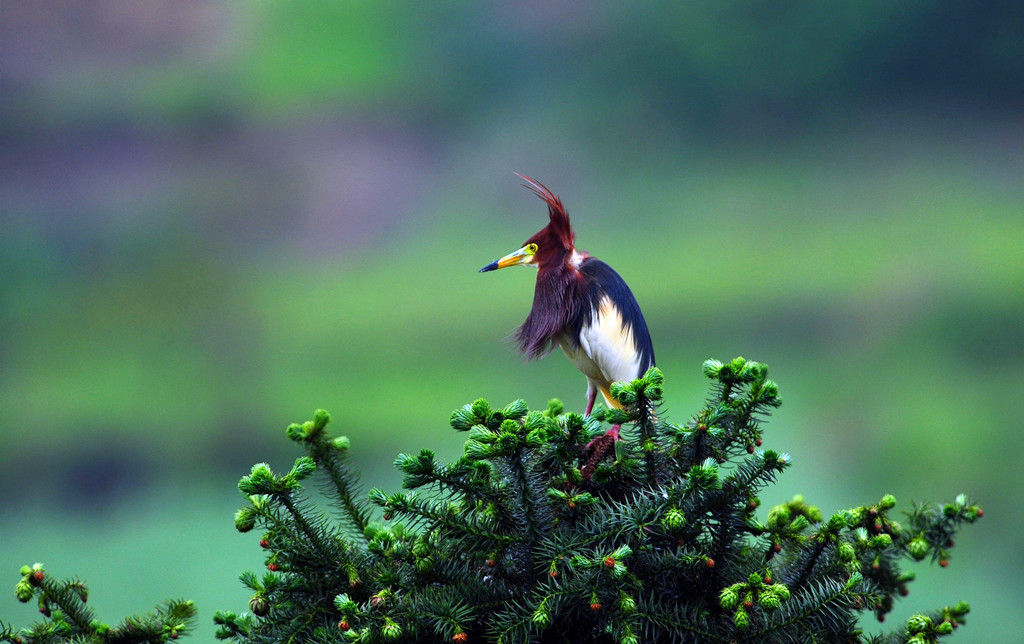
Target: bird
581, 305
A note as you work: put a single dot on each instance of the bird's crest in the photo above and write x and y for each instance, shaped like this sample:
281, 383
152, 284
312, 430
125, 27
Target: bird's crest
559, 226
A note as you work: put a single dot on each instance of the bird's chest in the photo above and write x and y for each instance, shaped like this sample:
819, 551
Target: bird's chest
604, 350
580, 356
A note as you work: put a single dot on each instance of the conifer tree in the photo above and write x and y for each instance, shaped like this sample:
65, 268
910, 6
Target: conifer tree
525, 538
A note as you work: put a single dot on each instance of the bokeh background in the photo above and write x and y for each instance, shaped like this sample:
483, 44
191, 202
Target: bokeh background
217, 217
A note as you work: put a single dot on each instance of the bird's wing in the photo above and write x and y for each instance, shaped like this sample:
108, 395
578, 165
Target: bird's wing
622, 344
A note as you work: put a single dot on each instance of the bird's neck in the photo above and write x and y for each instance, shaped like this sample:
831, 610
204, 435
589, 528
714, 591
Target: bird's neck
561, 266
556, 303
576, 258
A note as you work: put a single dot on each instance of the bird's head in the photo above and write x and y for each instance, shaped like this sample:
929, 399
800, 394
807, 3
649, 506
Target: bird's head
552, 246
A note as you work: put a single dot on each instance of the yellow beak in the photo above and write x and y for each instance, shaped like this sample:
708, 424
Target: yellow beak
525, 255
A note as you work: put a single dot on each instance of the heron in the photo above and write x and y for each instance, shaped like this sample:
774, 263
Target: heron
580, 304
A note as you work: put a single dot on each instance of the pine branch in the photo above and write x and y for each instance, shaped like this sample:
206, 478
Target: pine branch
330, 453
63, 604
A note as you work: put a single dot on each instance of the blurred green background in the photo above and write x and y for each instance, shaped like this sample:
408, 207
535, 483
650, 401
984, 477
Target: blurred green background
218, 217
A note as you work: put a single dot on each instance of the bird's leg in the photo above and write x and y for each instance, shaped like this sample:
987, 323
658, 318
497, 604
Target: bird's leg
591, 397
611, 437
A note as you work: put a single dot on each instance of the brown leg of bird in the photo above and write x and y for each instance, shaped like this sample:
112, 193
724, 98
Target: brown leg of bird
590, 401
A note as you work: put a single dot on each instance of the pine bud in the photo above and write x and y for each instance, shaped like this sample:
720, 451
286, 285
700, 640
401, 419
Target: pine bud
23, 591
616, 416
340, 443
320, 418
918, 623
463, 419
304, 466
391, 630
595, 606
781, 591
245, 519
609, 562
344, 603
480, 409
259, 606
741, 619
555, 407
738, 363
260, 479
515, 409
623, 393
424, 565
769, 393
674, 519
273, 567
729, 598
344, 625
654, 376
542, 618
918, 548
846, 552
460, 637
37, 578
494, 419
626, 604
711, 368
480, 451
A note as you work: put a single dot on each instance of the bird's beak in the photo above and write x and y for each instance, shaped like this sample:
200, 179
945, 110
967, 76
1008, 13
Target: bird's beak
525, 255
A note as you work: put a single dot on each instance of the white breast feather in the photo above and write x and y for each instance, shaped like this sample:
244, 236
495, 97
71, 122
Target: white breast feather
606, 352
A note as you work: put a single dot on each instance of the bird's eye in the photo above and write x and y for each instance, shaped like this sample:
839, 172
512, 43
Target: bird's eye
531, 249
